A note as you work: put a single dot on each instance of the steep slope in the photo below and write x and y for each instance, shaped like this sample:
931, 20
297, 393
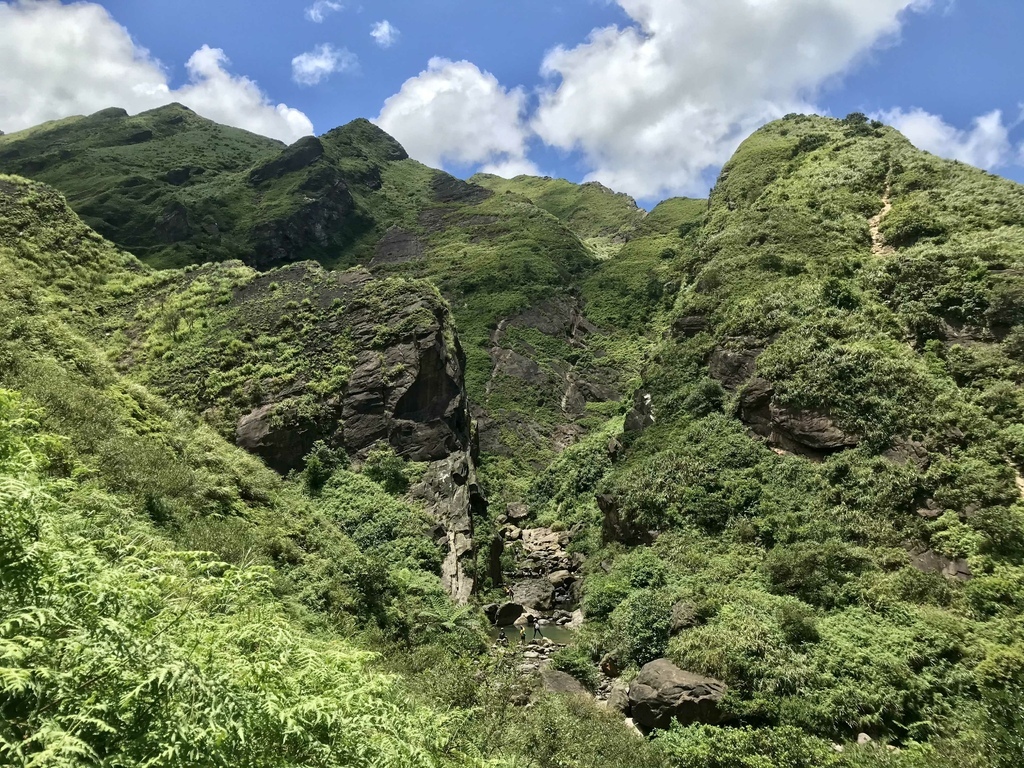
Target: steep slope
378, 364
818, 488
166, 599
601, 218
176, 189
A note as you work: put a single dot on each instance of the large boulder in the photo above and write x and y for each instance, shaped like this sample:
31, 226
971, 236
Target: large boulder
507, 613
535, 593
555, 681
930, 561
282, 433
733, 367
663, 692
618, 697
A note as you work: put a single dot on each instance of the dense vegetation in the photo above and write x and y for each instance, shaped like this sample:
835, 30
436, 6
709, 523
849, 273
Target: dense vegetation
816, 490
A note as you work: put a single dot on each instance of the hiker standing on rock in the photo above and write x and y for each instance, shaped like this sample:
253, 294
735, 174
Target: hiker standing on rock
536, 628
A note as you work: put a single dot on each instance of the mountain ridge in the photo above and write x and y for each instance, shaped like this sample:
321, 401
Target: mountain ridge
768, 444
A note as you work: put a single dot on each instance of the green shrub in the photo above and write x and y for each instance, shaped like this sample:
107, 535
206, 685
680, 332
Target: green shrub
387, 468
575, 661
702, 746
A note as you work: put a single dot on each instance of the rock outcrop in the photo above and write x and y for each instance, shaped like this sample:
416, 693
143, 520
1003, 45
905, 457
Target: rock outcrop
663, 692
554, 681
451, 493
930, 561
641, 415
811, 432
406, 388
616, 525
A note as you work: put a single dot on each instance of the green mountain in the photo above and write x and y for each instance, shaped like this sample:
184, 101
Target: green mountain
277, 422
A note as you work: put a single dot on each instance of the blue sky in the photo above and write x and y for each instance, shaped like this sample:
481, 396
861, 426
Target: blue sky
652, 105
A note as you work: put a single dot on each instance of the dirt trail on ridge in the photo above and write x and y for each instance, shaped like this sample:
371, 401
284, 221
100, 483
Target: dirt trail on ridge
878, 246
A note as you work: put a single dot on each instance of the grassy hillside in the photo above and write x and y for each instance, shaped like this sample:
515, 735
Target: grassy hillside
133, 535
782, 426
177, 189
831, 470
600, 217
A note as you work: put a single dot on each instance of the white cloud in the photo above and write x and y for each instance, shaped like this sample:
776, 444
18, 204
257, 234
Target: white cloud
384, 33
454, 113
655, 104
512, 167
313, 66
320, 9
60, 60
986, 144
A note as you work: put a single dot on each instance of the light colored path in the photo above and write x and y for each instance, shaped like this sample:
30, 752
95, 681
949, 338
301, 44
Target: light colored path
878, 246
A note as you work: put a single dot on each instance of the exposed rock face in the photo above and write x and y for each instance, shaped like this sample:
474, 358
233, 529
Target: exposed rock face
616, 526
516, 366
448, 189
662, 692
507, 613
685, 327
282, 434
535, 593
905, 451
642, 414
328, 213
451, 492
574, 387
406, 388
407, 392
798, 429
733, 368
397, 247
929, 561
422, 410
806, 431
299, 155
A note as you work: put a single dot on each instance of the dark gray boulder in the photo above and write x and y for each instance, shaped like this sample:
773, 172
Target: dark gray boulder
684, 616
507, 613
535, 593
663, 692
930, 561
555, 681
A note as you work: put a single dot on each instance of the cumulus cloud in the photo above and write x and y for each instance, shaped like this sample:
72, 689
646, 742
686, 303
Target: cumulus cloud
384, 33
60, 60
655, 104
452, 112
313, 66
512, 167
986, 144
321, 9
